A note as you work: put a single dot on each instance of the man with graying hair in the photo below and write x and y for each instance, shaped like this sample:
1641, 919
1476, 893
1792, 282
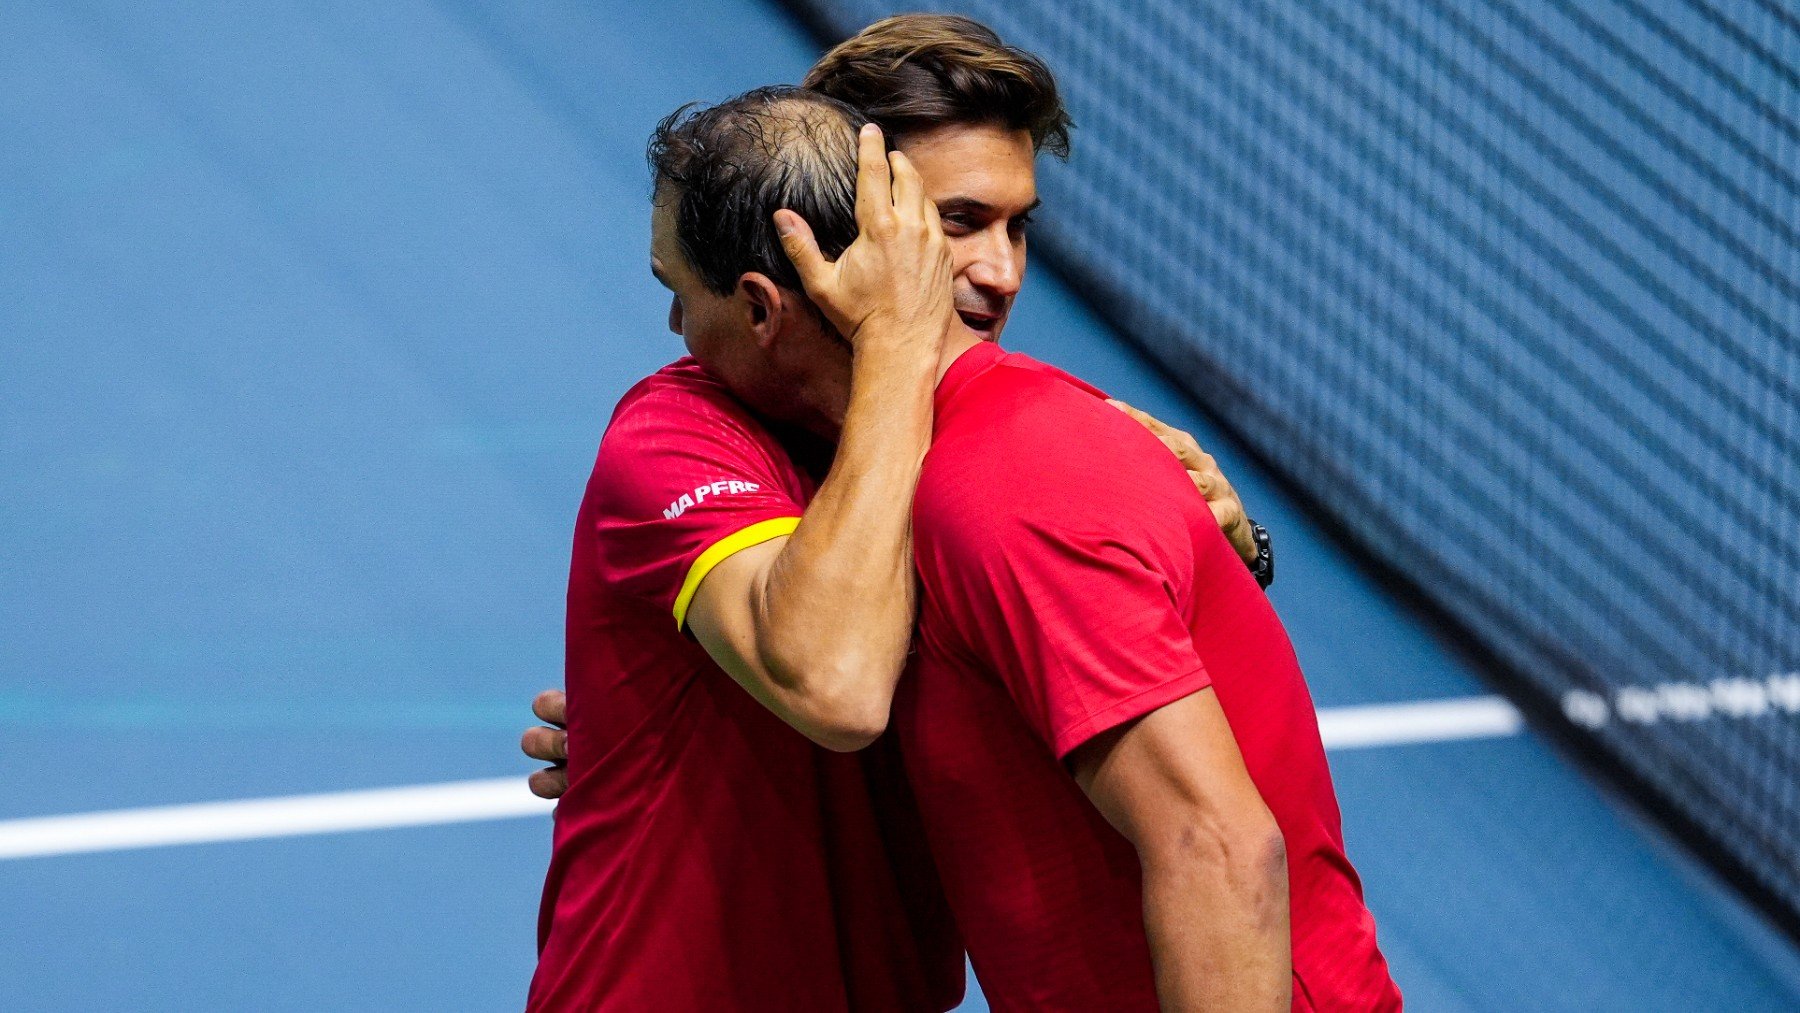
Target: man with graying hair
706, 855
767, 148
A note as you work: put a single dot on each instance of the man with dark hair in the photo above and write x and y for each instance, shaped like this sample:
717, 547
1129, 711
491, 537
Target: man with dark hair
917, 72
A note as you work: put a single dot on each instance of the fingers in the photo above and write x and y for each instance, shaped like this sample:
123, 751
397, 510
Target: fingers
549, 783
1229, 514
932, 221
551, 707
1182, 445
909, 190
1148, 421
802, 249
1162, 430
1143, 418
874, 185
548, 744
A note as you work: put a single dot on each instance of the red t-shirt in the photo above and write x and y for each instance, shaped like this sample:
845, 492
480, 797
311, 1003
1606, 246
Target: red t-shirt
1072, 581
706, 855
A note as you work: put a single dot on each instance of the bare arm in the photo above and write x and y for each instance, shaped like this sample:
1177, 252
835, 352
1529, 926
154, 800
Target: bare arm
550, 744
816, 625
1214, 865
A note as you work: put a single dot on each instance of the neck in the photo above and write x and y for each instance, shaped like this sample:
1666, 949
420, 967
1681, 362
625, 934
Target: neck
828, 424
954, 346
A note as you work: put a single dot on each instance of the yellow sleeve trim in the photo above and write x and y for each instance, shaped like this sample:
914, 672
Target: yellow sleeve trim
723, 549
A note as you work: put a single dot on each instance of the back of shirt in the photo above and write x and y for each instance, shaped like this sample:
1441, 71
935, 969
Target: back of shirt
1073, 581
706, 855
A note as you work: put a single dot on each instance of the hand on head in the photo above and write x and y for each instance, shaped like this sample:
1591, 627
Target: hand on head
894, 280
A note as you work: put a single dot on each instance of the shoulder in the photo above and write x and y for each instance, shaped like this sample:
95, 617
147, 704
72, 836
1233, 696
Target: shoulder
679, 432
1026, 451
680, 410
1040, 432
677, 394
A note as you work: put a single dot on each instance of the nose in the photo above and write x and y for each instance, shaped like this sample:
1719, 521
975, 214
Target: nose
998, 265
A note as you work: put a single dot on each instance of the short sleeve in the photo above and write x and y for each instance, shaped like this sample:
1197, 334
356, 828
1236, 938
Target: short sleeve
680, 485
1062, 563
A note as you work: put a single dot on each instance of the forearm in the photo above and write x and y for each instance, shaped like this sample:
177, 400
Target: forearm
1218, 928
835, 610
1213, 859
818, 631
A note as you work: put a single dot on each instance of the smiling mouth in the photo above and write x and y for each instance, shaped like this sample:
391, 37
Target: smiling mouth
981, 323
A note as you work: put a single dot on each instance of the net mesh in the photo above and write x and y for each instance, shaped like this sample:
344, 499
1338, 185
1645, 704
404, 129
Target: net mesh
1511, 290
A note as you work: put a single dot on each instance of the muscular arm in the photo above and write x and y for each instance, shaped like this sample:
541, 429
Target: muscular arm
1214, 866
816, 625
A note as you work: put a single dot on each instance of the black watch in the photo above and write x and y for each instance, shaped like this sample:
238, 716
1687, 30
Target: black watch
1263, 566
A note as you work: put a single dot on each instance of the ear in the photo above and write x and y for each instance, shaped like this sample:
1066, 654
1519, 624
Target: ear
770, 306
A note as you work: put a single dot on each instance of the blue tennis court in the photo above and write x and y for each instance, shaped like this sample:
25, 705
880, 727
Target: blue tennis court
310, 318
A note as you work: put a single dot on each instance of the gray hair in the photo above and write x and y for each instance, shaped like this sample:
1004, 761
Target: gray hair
729, 167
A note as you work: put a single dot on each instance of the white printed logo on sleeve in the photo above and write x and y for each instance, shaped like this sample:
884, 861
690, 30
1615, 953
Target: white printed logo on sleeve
699, 495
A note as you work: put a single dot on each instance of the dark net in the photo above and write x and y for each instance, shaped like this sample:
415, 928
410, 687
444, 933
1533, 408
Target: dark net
1511, 290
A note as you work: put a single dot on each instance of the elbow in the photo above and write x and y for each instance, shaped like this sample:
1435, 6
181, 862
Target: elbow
1269, 860
1266, 869
1240, 867
842, 709
845, 729
1244, 851
1256, 854
837, 695
845, 738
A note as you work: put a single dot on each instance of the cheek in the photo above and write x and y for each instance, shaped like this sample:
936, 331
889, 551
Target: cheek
964, 257
964, 254
711, 338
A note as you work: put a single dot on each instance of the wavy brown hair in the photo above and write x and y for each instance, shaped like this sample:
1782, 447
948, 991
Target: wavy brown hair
913, 72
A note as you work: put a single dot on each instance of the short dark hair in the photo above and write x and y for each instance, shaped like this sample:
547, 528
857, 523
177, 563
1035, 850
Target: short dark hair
729, 167
913, 72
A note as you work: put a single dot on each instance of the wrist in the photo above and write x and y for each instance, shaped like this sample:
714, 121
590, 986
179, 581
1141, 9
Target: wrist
885, 349
901, 333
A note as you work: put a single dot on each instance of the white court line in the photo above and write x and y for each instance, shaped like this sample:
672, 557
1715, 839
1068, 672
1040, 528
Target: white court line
1394, 724
507, 797
250, 819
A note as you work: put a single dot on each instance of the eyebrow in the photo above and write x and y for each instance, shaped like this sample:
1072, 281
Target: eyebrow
962, 203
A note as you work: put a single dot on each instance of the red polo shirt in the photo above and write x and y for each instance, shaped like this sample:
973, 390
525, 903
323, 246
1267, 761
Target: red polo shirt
706, 855
1072, 581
